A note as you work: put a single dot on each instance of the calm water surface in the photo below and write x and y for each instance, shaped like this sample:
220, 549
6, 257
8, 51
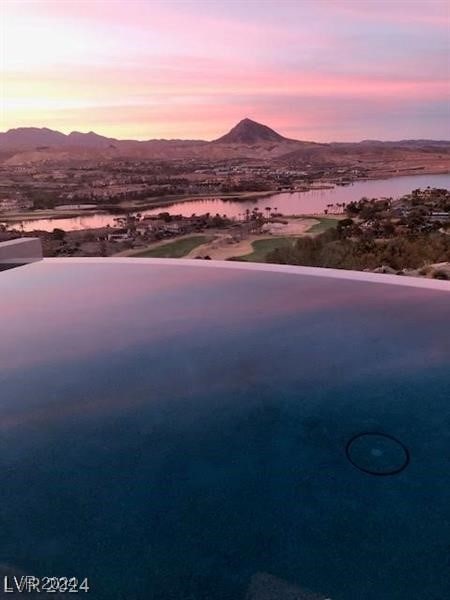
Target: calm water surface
311, 202
173, 432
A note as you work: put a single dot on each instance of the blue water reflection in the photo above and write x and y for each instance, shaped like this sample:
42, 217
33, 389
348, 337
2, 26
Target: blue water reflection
171, 431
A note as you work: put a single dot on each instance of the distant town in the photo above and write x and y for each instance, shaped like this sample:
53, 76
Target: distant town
138, 183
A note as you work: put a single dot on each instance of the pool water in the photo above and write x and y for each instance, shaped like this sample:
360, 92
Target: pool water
172, 431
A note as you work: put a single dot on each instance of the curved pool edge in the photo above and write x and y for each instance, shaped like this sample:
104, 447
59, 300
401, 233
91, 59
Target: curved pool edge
225, 434
363, 276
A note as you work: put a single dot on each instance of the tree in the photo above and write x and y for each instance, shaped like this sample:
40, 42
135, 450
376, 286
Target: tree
58, 234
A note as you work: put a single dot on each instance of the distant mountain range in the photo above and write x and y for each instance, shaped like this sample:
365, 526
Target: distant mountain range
246, 132
247, 139
34, 137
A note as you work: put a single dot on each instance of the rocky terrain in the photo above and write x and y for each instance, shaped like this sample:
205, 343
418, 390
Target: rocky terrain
247, 140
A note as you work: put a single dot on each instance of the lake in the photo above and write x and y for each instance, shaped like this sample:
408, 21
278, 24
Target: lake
310, 202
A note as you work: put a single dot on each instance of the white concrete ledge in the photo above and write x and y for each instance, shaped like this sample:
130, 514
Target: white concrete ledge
403, 280
20, 251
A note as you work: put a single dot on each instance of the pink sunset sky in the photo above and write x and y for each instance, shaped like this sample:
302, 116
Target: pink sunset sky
320, 70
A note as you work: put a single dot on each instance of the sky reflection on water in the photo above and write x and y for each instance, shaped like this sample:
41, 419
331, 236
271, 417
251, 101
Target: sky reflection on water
312, 202
186, 427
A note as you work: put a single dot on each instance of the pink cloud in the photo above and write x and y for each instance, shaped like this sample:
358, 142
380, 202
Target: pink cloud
186, 68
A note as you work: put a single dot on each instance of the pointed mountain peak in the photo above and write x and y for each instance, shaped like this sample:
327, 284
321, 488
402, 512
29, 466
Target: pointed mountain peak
248, 131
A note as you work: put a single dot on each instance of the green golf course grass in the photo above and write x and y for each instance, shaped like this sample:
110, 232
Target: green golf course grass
261, 248
324, 224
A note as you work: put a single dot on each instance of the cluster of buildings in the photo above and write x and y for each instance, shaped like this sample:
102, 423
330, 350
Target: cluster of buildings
163, 226
15, 203
48, 185
422, 211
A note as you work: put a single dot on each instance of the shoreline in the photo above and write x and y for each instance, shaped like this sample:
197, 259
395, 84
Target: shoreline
121, 210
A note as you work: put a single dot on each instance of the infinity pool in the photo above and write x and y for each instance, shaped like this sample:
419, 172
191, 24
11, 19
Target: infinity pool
188, 431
